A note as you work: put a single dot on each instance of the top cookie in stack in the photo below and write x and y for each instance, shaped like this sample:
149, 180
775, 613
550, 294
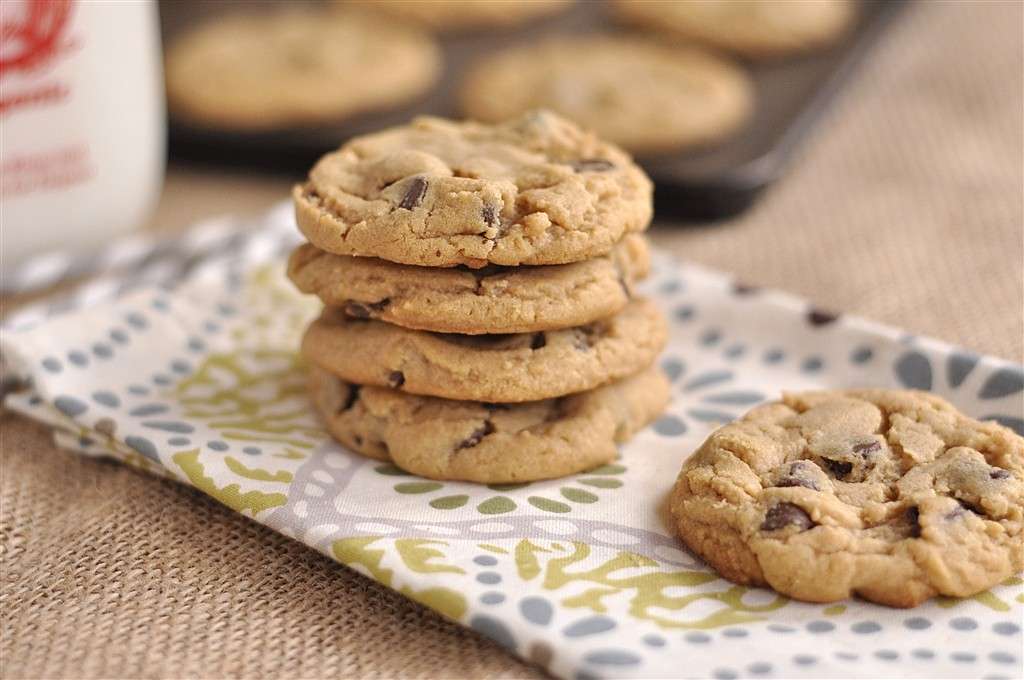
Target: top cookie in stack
479, 321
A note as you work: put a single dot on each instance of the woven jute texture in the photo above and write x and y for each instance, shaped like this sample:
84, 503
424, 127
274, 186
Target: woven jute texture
906, 208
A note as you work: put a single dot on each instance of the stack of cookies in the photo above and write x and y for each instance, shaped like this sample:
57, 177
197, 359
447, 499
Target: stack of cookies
480, 322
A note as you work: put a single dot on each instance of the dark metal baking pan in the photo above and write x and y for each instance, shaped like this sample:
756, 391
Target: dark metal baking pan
705, 184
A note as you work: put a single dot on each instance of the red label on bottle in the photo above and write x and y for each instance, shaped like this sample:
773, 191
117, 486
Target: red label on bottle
32, 34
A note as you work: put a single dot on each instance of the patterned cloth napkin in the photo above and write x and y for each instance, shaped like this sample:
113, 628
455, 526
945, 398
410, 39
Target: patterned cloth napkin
187, 367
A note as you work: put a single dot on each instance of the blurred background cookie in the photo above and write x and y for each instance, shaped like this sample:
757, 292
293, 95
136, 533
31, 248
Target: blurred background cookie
641, 94
287, 66
461, 15
711, 132
752, 28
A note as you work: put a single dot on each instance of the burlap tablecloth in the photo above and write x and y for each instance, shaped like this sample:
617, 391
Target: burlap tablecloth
906, 208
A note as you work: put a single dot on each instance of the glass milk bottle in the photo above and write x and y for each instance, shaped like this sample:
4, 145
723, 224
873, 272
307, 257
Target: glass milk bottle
82, 123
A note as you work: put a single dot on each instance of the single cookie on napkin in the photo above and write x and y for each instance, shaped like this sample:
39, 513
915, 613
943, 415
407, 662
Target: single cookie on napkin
890, 495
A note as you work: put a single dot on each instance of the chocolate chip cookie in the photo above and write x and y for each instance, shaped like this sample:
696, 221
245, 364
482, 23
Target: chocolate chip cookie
460, 15
890, 495
488, 443
535, 190
474, 301
638, 93
492, 368
282, 67
752, 28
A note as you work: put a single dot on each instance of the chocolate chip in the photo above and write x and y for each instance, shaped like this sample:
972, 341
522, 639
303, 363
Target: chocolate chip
357, 439
913, 517
797, 475
477, 436
414, 194
491, 216
364, 310
538, 341
970, 506
866, 448
783, 515
838, 468
350, 399
999, 473
797, 481
396, 379
592, 165
819, 317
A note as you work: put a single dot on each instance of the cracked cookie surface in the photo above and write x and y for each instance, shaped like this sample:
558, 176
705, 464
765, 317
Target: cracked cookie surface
492, 368
639, 93
269, 69
535, 190
473, 301
488, 443
752, 28
890, 495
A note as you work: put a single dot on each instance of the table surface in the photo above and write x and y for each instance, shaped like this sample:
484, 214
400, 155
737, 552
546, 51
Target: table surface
906, 207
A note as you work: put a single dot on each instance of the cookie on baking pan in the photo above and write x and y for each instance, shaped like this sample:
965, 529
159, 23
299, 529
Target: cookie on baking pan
890, 495
488, 443
473, 301
534, 190
638, 93
752, 28
462, 15
491, 368
283, 67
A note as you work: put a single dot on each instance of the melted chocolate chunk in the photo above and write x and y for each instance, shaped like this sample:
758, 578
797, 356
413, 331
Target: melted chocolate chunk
970, 506
820, 317
414, 194
396, 379
592, 165
999, 473
913, 517
797, 481
364, 310
357, 439
350, 399
477, 436
539, 340
866, 448
491, 216
798, 476
782, 515
838, 468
